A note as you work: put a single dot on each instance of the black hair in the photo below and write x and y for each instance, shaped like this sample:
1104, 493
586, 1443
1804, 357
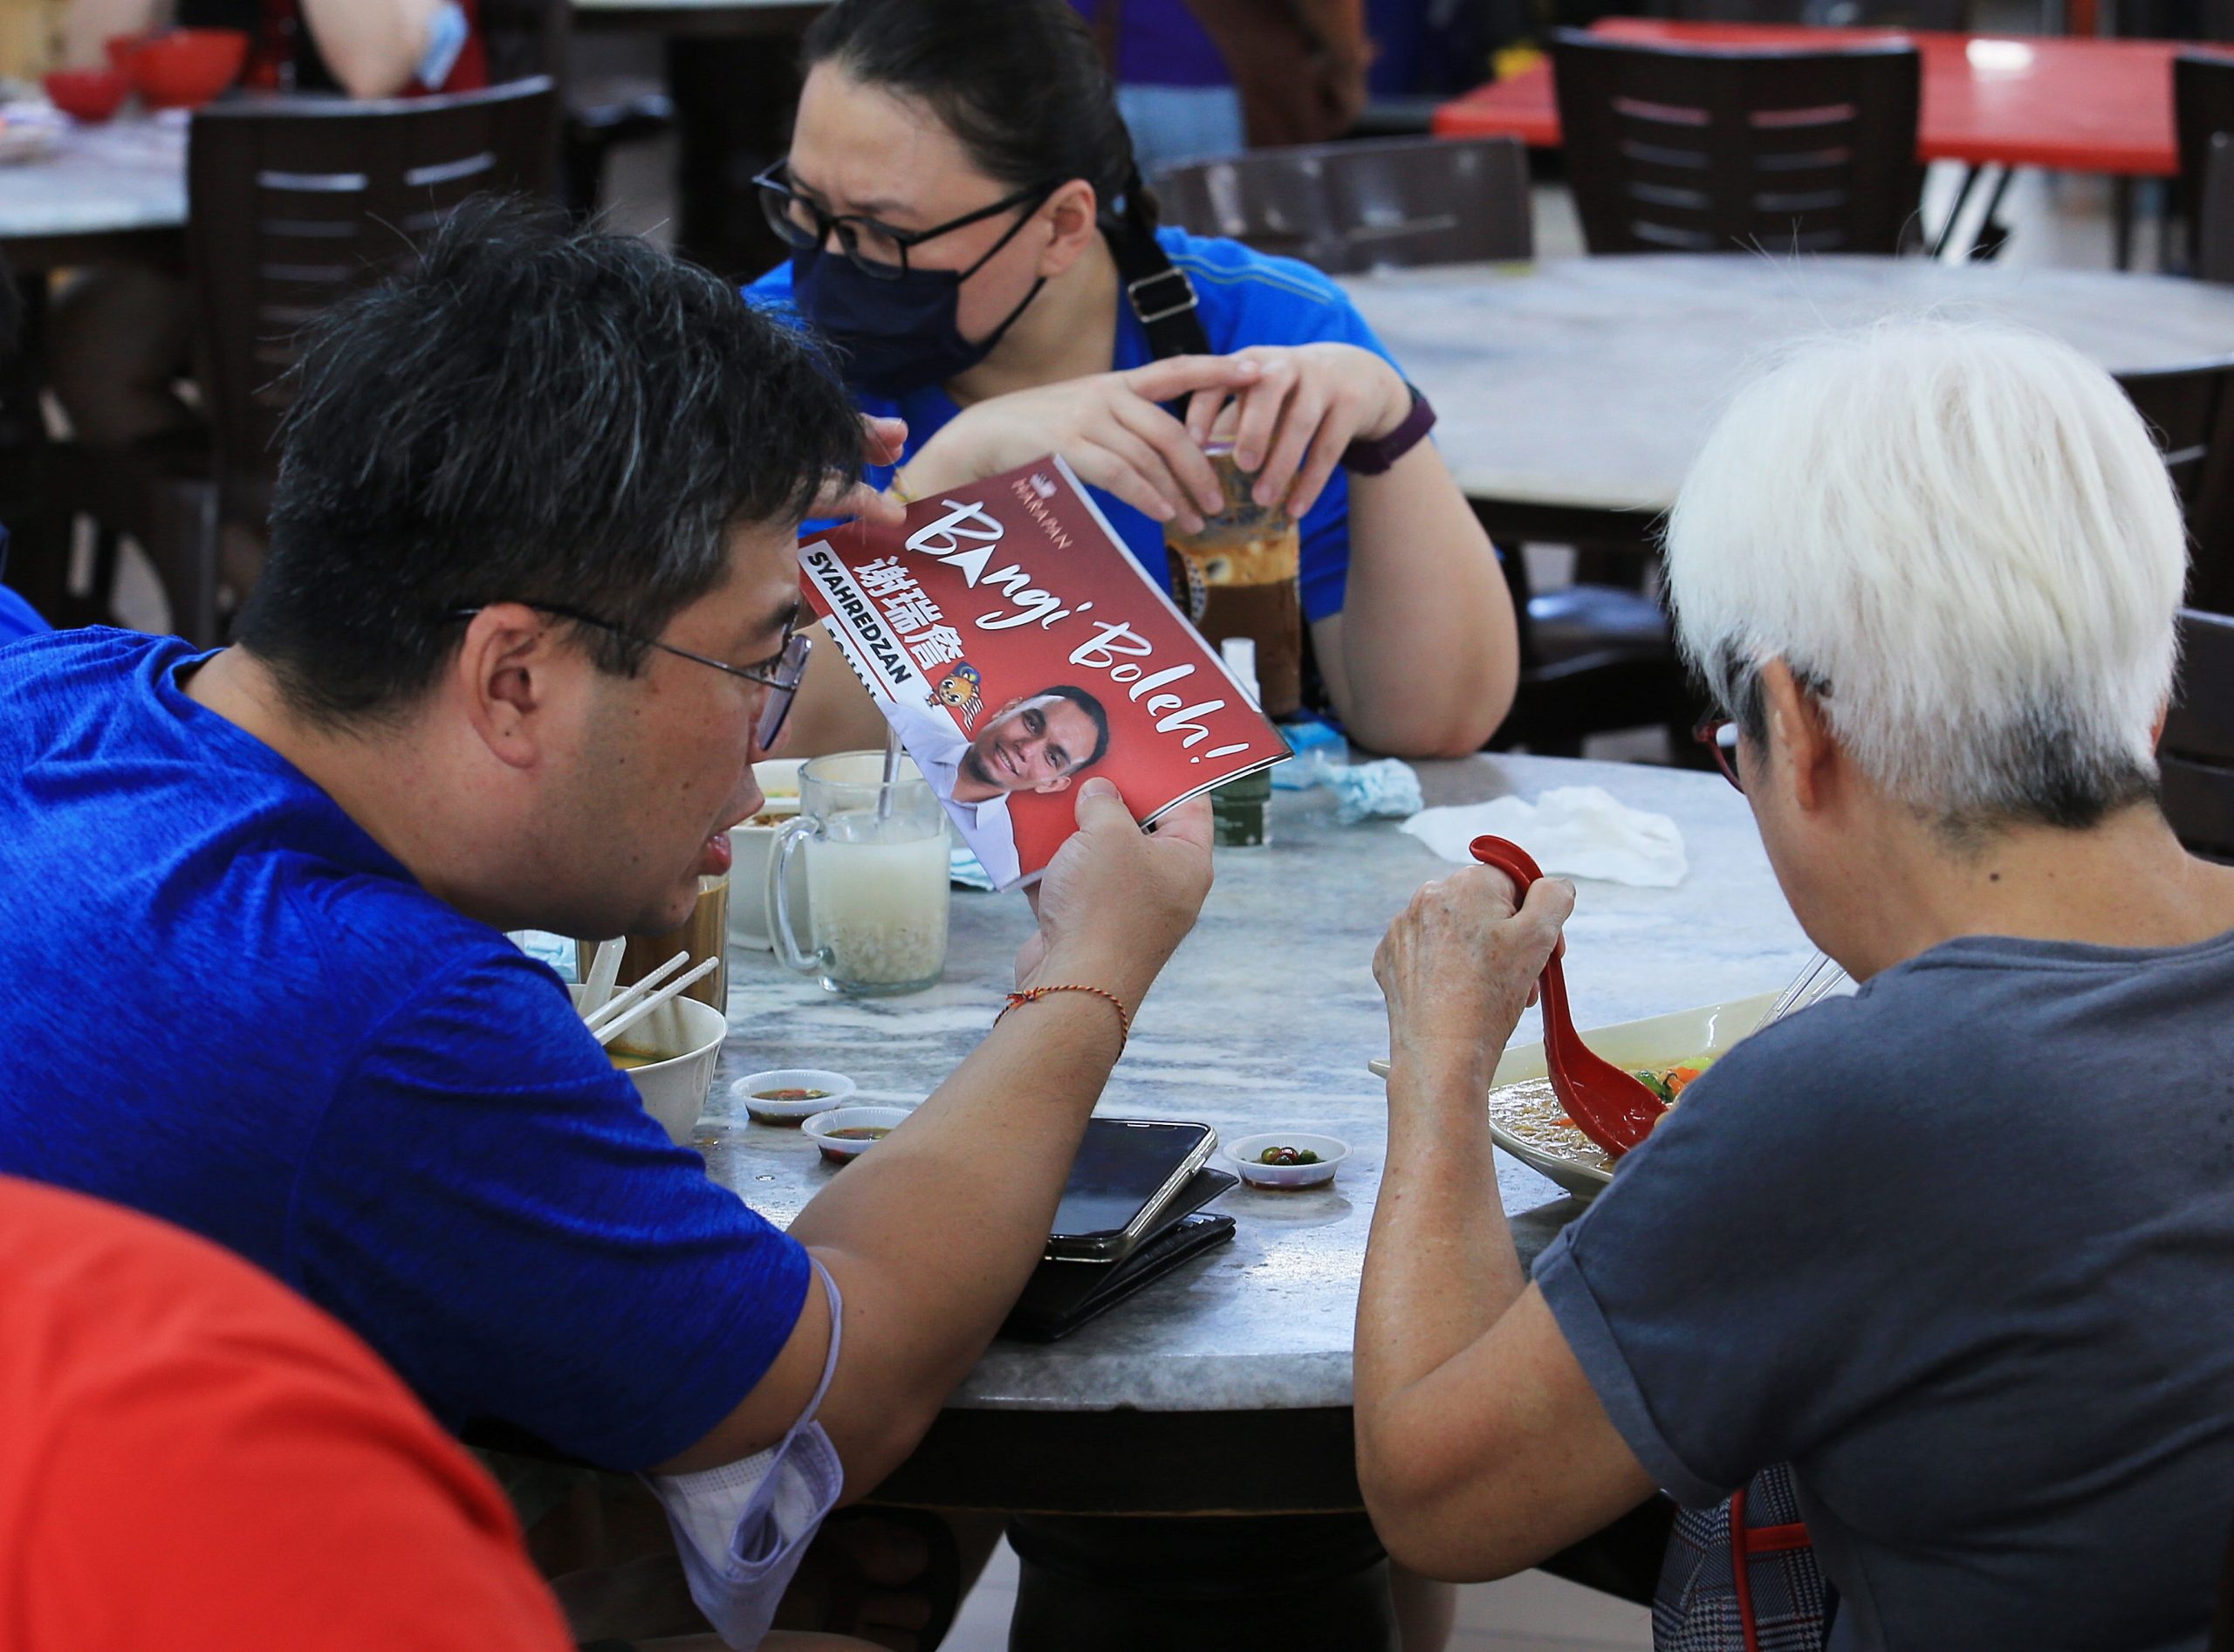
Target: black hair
531, 413
1091, 707
1019, 82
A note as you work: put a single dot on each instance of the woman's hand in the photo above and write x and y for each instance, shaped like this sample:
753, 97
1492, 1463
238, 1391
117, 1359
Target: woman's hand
1109, 427
1308, 404
1461, 964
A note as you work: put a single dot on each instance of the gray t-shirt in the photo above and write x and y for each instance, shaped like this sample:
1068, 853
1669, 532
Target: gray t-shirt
1960, 1249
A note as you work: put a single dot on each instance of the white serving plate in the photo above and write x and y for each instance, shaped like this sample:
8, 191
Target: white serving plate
1656, 1040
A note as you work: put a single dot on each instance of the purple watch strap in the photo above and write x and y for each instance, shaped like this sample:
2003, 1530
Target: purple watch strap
1371, 458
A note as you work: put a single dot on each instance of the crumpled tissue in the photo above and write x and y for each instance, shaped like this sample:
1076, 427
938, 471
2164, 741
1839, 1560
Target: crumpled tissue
1364, 791
1573, 830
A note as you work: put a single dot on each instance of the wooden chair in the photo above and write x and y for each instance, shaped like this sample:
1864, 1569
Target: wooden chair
1680, 150
2214, 239
2191, 412
526, 39
2203, 107
2196, 755
292, 204
1351, 207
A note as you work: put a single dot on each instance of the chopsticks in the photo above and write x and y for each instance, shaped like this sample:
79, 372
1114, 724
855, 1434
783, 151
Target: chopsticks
612, 1026
595, 1016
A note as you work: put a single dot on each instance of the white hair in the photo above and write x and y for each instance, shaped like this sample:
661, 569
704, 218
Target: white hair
1964, 536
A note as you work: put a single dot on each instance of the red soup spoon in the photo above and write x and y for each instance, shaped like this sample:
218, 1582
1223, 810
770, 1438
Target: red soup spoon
1607, 1104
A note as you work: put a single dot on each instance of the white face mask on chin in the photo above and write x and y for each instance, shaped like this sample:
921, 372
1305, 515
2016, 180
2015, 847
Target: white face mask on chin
742, 1528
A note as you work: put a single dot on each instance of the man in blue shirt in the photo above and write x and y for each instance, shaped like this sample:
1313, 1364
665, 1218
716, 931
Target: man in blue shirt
527, 618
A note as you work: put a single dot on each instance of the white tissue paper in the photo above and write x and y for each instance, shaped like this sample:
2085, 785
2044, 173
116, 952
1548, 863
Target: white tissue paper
1572, 831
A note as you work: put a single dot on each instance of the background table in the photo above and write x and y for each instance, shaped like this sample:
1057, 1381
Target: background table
1577, 391
108, 192
1226, 1386
2079, 105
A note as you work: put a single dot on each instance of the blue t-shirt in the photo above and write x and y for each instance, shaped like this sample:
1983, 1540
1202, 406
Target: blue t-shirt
228, 1007
1960, 1249
1243, 298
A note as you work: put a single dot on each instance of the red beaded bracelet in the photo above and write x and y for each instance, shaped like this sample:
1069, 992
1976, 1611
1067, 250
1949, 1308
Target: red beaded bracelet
1124, 1017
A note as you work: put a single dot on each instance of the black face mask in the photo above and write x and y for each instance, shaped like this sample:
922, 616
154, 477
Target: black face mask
900, 334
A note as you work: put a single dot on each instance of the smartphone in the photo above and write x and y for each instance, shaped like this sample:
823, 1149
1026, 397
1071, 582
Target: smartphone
1125, 1173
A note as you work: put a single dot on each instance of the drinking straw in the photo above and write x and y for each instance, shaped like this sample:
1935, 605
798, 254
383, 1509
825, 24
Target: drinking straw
891, 773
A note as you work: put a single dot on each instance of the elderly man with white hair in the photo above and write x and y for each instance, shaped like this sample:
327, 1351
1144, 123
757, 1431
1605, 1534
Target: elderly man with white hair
1958, 1249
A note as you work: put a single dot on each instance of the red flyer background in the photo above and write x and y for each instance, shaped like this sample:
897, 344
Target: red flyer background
1009, 588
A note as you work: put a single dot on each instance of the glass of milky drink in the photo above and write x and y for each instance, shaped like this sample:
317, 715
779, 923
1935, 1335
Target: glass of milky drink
1237, 578
876, 886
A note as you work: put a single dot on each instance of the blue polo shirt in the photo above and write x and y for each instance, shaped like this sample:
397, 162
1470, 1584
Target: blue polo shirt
1243, 297
228, 1007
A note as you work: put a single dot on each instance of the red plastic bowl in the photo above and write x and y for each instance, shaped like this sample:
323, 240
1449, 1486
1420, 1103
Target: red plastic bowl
91, 95
186, 68
122, 48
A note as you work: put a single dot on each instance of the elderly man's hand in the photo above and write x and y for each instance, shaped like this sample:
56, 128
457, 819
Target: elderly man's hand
1115, 901
1461, 964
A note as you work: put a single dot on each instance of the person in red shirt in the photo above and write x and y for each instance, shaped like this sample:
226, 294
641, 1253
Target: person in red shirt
196, 1458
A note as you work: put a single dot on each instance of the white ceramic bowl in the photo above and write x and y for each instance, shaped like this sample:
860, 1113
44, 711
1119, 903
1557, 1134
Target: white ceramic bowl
821, 1129
687, 1036
1331, 1149
1654, 1041
835, 1087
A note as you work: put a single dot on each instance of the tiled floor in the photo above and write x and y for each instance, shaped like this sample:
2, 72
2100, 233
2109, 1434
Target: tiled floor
1532, 1613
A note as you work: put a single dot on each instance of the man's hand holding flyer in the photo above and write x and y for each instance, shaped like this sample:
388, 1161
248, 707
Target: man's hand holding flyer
1016, 646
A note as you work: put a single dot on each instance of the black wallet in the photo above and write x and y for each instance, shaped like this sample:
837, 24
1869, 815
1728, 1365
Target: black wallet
1062, 1296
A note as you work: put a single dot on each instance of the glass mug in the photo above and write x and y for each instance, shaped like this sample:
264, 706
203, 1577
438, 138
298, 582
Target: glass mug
876, 889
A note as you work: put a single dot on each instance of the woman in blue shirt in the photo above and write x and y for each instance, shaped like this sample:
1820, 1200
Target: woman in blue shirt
972, 233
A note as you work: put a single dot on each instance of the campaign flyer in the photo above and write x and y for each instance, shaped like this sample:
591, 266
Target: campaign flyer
1017, 649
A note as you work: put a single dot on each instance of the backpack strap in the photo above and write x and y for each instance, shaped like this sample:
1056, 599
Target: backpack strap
1161, 295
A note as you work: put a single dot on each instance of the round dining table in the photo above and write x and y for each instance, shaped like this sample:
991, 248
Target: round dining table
1572, 394
102, 193
1224, 1387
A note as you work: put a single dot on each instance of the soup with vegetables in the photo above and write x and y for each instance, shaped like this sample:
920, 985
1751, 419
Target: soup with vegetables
1529, 1111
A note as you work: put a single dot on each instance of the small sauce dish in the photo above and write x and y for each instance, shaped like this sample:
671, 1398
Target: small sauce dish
768, 1096
843, 1133
1248, 1156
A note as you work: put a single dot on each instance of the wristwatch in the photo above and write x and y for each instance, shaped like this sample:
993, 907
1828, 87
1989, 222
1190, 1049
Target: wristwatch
1371, 458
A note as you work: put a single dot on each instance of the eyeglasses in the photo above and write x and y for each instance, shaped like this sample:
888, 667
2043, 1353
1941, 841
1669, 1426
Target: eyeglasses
1719, 734
779, 674
875, 248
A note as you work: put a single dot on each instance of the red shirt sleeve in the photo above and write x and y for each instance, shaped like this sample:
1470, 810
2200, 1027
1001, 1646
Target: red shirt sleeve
197, 1459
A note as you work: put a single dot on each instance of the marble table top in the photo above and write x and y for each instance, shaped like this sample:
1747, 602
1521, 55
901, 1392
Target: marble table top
128, 174
1265, 1018
1591, 382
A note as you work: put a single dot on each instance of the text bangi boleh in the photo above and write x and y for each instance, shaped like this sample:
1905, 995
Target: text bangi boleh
1015, 645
